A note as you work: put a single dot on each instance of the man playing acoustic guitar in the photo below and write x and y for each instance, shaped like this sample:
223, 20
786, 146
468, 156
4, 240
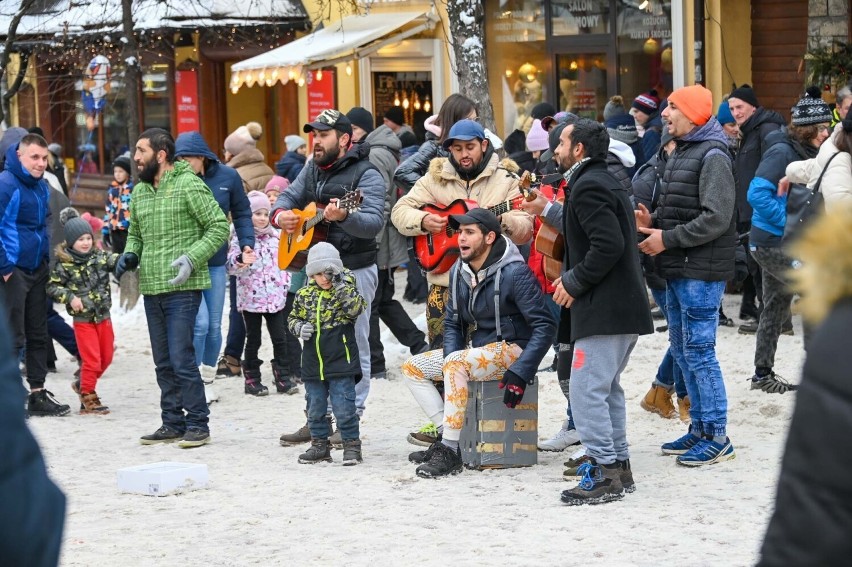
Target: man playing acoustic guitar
337, 169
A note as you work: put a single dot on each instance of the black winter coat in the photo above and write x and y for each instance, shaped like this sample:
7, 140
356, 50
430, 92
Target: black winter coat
753, 134
416, 166
32, 508
524, 318
646, 189
813, 509
603, 260
290, 165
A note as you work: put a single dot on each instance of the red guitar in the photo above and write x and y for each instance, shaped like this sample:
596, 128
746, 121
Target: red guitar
436, 253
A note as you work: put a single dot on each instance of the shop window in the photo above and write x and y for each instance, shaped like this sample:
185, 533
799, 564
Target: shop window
582, 84
579, 17
645, 47
410, 91
517, 60
156, 97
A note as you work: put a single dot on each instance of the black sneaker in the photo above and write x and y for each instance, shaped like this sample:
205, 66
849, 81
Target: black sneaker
598, 484
420, 457
552, 367
352, 452
194, 437
627, 476
162, 435
43, 404
772, 384
442, 462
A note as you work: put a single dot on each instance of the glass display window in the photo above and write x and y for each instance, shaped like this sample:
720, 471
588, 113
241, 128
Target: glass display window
644, 47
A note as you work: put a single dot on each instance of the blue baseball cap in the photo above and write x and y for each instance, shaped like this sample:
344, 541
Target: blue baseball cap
463, 131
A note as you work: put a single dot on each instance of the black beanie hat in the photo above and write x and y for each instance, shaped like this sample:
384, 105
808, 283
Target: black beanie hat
542, 110
123, 163
745, 93
362, 118
395, 115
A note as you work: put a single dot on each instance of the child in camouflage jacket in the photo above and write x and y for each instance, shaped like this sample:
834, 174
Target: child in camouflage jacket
80, 280
323, 316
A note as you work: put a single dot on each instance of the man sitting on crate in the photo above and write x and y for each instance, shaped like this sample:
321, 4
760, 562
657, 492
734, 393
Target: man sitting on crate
496, 328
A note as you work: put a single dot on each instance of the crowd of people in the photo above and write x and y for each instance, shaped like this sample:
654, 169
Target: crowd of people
661, 198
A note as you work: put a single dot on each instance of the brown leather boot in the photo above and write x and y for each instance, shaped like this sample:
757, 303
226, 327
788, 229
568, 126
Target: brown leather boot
92, 404
683, 406
659, 400
228, 366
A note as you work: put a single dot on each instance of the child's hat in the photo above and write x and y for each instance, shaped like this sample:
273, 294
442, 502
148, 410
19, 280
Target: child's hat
322, 256
74, 226
258, 201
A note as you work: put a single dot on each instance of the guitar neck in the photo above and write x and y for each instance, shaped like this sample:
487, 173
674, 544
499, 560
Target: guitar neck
501, 208
315, 220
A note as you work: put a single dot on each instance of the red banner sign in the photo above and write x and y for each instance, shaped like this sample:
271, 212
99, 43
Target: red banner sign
186, 90
320, 95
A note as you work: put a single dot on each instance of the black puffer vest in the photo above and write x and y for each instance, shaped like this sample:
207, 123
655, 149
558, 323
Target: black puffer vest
678, 204
334, 182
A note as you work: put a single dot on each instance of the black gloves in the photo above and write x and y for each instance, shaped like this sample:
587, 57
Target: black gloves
127, 261
514, 386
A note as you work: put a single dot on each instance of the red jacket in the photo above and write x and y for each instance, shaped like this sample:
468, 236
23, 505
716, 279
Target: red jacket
536, 259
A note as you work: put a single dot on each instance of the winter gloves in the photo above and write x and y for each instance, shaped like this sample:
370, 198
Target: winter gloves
306, 330
514, 386
184, 268
127, 261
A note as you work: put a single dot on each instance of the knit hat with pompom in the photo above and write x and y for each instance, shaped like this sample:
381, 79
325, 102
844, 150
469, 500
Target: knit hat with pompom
243, 138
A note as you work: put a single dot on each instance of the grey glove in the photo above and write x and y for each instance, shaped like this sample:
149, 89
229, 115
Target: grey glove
306, 331
184, 268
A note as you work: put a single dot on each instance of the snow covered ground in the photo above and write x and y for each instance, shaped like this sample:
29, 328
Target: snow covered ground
263, 508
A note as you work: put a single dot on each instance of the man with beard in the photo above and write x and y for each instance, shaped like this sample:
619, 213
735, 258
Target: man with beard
604, 290
691, 235
177, 227
471, 172
338, 167
497, 327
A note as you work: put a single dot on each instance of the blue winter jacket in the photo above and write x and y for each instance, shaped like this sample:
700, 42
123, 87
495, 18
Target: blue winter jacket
290, 165
769, 211
24, 217
652, 137
227, 188
523, 317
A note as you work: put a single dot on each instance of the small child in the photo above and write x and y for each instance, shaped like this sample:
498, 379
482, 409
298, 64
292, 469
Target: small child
80, 280
262, 294
117, 218
323, 316
275, 187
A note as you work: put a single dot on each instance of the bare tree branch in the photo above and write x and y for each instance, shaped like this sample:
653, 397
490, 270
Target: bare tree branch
11, 36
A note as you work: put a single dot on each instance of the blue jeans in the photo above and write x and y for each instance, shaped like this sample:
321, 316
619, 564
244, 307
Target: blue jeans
341, 392
171, 319
207, 339
236, 340
693, 307
668, 373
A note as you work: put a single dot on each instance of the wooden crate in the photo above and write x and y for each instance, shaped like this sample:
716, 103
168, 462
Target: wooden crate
494, 436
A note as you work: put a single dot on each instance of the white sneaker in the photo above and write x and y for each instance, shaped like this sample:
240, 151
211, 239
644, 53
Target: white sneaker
563, 439
208, 375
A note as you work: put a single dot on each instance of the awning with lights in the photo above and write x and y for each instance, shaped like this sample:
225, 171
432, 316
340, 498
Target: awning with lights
347, 40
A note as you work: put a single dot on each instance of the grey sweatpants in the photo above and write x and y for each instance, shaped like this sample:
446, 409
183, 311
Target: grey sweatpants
597, 399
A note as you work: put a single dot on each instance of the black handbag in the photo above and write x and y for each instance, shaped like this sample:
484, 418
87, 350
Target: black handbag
803, 204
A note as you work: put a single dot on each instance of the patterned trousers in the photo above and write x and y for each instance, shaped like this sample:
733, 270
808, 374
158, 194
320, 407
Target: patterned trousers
480, 364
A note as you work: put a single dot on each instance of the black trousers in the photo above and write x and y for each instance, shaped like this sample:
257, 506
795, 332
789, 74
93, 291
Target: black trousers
416, 288
392, 314
26, 301
119, 240
276, 325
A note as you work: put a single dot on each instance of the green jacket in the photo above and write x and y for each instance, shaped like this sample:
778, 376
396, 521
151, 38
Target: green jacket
86, 277
331, 352
180, 216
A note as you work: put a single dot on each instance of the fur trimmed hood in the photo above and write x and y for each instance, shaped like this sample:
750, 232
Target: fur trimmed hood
825, 274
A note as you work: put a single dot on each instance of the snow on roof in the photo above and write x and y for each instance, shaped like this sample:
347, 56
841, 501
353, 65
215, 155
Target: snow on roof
91, 16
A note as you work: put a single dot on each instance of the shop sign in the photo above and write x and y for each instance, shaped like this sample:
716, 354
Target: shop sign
585, 103
571, 17
517, 26
186, 90
320, 94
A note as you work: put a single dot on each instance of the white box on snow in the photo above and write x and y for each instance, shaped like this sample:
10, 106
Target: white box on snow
162, 479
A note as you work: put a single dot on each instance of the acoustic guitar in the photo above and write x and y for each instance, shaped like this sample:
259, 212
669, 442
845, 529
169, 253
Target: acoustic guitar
293, 248
436, 253
549, 242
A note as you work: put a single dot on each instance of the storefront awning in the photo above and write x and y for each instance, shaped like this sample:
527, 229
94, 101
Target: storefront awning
349, 39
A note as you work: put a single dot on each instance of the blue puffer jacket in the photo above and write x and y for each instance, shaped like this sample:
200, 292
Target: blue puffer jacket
290, 166
24, 217
524, 318
769, 211
227, 188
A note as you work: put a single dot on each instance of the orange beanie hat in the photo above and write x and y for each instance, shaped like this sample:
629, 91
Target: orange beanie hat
696, 103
